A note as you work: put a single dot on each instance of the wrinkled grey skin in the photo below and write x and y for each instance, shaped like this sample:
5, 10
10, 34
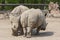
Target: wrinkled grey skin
45, 12
14, 19
17, 29
30, 19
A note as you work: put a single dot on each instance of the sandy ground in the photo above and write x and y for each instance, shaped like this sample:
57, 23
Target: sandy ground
52, 31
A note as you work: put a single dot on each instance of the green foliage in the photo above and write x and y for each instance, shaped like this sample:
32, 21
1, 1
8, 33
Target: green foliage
28, 1
0, 1
12, 1
25, 2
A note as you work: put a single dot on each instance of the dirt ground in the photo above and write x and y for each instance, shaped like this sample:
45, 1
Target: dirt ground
52, 31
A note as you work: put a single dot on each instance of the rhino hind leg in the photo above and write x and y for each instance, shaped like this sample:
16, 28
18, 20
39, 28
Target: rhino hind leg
29, 32
25, 32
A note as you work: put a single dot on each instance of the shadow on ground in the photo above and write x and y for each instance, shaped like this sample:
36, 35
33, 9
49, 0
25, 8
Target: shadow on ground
43, 34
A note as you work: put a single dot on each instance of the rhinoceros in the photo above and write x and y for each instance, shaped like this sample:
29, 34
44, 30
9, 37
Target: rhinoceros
30, 19
14, 18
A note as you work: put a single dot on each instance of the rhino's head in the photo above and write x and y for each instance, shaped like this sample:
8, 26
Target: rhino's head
14, 31
43, 26
17, 31
45, 12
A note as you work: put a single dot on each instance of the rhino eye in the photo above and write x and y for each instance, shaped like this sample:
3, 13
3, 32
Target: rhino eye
14, 27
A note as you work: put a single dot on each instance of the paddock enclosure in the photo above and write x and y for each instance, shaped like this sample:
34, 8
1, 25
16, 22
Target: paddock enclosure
52, 31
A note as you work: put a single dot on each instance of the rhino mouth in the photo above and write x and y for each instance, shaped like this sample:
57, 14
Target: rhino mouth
14, 32
43, 28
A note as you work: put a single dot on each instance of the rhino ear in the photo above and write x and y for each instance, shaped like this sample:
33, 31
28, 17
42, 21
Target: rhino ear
45, 14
